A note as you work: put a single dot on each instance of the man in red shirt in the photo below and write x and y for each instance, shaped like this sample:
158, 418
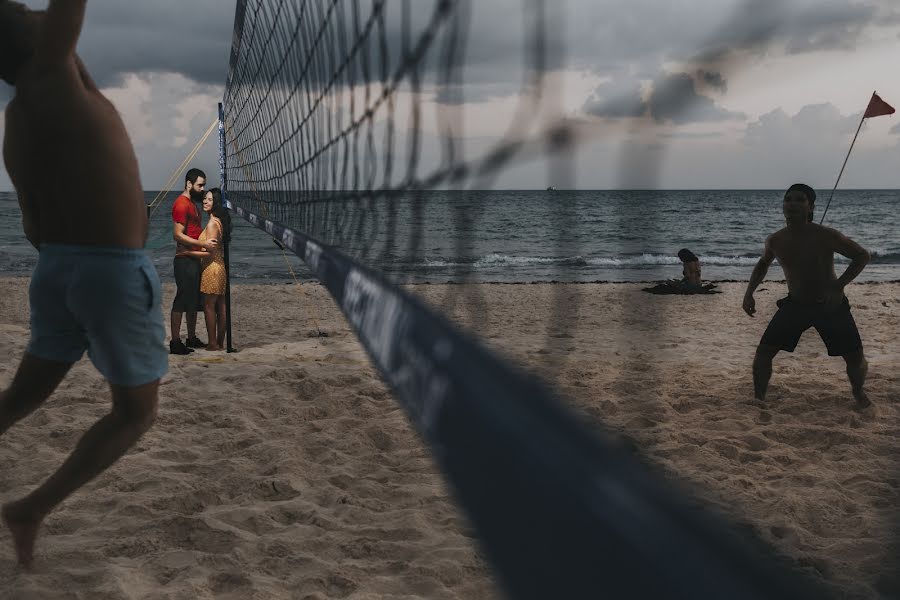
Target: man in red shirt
186, 230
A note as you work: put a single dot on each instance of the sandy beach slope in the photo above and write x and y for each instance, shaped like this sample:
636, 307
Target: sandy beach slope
287, 471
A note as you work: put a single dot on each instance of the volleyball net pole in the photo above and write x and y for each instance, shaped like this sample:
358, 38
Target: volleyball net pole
226, 242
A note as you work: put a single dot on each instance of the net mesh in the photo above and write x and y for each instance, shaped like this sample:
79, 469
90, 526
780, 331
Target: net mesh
330, 106
342, 116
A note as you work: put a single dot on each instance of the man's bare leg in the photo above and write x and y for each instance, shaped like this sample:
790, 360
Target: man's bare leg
34, 381
857, 368
175, 323
192, 325
762, 369
133, 412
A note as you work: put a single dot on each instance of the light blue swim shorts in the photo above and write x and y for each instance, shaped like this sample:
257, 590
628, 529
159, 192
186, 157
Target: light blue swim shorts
103, 300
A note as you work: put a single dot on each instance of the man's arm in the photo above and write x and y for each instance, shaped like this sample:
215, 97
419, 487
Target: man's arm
194, 253
60, 30
182, 238
859, 256
756, 278
761, 268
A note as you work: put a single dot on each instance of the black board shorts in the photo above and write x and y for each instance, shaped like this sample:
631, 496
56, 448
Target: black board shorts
187, 285
836, 327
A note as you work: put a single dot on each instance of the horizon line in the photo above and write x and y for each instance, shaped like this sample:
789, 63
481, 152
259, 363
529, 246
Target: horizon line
555, 189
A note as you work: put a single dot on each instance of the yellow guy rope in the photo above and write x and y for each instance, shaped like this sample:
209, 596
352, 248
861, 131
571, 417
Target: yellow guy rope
174, 176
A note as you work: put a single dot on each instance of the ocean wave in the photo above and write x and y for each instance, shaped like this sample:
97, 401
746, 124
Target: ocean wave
662, 259
492, 260
881, 257
634, 261
502, 259
643, 260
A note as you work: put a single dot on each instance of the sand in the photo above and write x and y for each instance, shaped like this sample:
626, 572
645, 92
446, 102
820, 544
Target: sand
287, 471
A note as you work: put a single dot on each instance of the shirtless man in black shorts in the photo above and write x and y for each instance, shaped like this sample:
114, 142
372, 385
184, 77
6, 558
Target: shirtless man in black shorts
815, 298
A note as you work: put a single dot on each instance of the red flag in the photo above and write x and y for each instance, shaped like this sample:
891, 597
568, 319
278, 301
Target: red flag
878, 107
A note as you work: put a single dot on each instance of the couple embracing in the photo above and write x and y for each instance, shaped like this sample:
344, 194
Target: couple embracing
199, 264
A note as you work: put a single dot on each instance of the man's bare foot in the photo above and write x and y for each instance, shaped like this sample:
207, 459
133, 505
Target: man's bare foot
24, 529
862, 401
759, 402
213, 347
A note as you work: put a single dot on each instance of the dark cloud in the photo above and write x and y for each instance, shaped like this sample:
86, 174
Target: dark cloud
833, 26
802, 26
193, 39
481, 54
612, 103
705, 32
716, 38
627, 42
713, 80
673, 98
600, 35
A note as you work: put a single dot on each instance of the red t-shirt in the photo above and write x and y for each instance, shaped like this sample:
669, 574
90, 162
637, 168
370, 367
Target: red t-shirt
185, 212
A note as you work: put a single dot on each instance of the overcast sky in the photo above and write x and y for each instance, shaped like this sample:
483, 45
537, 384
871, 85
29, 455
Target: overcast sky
667, 93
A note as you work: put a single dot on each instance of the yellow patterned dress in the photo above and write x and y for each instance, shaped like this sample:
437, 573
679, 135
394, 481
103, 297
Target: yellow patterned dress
212, 280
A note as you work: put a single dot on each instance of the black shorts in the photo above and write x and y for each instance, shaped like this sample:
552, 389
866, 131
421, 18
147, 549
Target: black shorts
836, 328
187, 285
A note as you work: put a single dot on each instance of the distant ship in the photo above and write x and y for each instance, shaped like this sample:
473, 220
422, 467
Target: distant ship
551, 189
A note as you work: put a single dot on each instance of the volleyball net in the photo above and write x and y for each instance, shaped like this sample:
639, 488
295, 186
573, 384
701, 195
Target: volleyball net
338, 118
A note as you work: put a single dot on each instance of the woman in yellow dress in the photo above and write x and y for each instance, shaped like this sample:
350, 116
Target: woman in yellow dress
212, 278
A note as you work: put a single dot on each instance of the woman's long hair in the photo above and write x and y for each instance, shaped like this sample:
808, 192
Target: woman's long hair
220, 212
687, 256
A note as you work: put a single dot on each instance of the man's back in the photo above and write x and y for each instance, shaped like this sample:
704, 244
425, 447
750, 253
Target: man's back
70, 159
94, 288
806, 254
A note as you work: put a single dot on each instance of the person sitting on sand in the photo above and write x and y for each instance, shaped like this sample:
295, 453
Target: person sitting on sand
690, 269
94, 289
212, 278
815, 297
690, 283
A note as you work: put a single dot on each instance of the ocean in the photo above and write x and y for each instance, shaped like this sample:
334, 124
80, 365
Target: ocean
529, 236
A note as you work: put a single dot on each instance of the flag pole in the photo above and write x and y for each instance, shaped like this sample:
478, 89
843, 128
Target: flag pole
845, 163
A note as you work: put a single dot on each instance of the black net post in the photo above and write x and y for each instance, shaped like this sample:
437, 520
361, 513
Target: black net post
223, 182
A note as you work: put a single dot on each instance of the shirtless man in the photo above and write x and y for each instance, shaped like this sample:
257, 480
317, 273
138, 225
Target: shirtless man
815, 298
76, 176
